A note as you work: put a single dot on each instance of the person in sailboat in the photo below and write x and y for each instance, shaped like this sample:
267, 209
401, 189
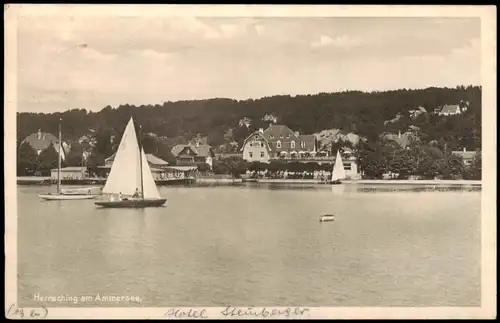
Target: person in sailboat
136, 194
120, 197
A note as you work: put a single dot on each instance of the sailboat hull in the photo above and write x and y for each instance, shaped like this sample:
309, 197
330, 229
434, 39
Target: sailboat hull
132, 203
65, 197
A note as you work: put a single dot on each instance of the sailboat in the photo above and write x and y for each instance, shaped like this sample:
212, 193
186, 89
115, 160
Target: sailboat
129, 173
338, 171
64, 194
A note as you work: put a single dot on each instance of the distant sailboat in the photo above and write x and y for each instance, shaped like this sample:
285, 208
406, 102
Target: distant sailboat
338, 171
130, 173
64, 194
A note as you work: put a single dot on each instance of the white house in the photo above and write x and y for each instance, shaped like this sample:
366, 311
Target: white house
467, 156
70, 172
40, 141
449, 110
416, 112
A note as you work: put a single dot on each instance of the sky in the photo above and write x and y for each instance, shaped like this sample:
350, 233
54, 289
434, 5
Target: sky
80, 63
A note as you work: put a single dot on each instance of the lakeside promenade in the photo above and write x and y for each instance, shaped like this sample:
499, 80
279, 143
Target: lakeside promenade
34, 180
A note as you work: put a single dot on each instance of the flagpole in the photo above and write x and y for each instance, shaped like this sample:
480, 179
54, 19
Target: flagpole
140, 158
59, 160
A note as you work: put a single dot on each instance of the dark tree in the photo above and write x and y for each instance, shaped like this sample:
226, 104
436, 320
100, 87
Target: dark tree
48, 158
474, 170
75, 156
27, 160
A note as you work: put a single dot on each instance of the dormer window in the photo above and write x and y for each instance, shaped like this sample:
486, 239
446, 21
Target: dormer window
272, 137
281, 136
278, 144
292, 144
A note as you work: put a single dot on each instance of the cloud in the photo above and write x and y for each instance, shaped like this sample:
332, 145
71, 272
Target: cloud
229, 30
259, 29
343, 41
95, 62
323, 41
471, 49
152, 54
92, 54
47, 98
192, 25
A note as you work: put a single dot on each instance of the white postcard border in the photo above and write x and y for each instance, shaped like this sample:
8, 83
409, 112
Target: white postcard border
487, 14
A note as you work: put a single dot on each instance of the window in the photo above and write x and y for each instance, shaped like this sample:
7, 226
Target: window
288, 136
250, 154
302, 144
278, 144
281, 136
261, 154
292, 144
272, 137
347, 166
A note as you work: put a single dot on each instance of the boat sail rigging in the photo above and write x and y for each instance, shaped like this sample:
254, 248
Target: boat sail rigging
59, 151
338, 171
130, 173
64, 194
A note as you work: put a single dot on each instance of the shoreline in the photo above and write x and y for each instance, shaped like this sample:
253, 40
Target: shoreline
32, 180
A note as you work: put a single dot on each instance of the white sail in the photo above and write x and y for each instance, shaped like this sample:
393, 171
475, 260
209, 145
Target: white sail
149, 185
338, 171
125, 174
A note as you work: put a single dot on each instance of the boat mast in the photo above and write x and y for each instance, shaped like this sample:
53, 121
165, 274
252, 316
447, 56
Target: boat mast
140, 159
59, 160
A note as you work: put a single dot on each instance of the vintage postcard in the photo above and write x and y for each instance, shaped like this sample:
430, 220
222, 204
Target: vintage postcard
250, 161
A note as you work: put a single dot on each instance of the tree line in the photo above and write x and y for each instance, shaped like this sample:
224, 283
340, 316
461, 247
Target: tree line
363, 113
352, 111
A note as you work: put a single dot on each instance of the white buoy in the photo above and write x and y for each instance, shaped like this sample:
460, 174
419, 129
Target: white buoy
327, 218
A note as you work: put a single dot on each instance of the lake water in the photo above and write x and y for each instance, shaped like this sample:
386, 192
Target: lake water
256, 246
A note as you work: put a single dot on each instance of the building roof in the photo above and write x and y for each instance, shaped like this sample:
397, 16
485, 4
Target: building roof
450, 108
149, 157
199, 151
308, 138
419, 109
183, 168
402, 141
279, 132
42, 140
155, 160
285, 136
465, 154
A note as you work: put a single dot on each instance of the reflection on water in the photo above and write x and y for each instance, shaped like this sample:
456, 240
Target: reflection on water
258, 244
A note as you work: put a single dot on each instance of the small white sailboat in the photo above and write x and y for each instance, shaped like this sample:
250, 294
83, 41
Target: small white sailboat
130, 173
65, 194
338, 171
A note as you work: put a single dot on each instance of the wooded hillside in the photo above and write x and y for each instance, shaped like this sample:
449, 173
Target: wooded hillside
358, 112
